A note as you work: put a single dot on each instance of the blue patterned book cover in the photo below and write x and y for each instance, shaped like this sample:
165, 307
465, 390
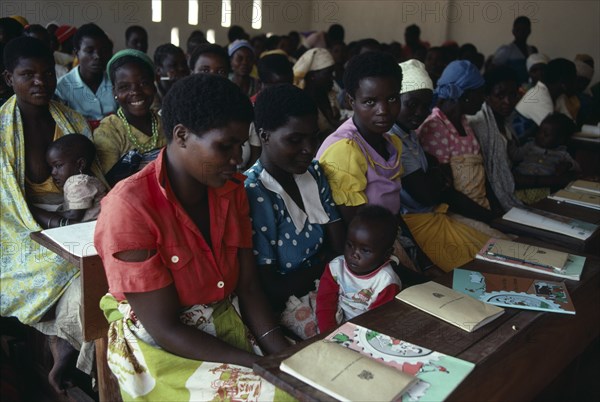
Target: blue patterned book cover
513, 291
438, 374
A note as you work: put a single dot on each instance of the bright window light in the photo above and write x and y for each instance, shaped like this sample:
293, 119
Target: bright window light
175, 36
210, 36
226, 13
193, 12
156, 10
257, 14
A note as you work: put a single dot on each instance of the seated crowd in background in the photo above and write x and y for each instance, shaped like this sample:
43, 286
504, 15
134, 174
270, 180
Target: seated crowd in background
406, 151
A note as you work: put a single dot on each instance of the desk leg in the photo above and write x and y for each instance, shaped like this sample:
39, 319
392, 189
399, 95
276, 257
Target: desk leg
108, 386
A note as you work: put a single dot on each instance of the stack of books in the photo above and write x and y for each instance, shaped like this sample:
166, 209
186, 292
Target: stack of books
532, 258
581, 192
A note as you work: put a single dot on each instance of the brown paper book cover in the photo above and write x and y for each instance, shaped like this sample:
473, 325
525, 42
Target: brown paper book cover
580, 198
345, 374
451, 306
571, 270
587, 186
528, 253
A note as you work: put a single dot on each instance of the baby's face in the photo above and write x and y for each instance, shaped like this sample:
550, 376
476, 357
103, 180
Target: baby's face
365, 249
548, 136
63, 166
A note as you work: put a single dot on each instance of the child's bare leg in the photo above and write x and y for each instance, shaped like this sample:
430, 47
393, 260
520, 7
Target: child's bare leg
64, 356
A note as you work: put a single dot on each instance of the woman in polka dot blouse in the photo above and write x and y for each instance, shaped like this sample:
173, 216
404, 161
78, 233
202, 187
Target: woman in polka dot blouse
296, 226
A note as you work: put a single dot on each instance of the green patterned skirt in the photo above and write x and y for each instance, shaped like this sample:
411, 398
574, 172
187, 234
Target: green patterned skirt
146, 372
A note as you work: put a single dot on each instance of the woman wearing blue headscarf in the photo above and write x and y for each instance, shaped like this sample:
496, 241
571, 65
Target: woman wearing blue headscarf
447, 136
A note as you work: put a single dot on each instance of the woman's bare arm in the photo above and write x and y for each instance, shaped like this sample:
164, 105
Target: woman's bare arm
253, 305
158, 311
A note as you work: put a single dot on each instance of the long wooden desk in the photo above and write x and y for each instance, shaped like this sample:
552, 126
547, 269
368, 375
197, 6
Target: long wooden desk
95, 326
517, 356
591, 245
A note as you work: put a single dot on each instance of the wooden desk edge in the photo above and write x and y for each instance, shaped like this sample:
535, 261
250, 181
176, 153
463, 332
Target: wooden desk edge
93, 286
485, 352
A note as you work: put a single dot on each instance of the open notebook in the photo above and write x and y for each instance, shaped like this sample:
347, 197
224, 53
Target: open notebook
77, 239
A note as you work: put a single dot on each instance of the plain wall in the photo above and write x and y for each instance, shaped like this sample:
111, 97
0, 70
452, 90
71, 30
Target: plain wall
560, 28
115, 16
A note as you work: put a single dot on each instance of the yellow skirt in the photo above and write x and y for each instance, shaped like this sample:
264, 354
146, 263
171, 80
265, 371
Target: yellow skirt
448, 243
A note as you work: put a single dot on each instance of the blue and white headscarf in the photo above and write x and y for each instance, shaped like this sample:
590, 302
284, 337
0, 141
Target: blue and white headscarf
458, 77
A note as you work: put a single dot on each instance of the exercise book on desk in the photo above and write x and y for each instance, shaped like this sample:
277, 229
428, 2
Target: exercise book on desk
77, 239
437, 373
532, 258
346, 374
586, 186
552, 222
514, 291
453, 307
583, 199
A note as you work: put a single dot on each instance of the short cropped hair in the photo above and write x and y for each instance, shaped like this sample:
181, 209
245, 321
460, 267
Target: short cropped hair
558, 70
202, 102
75, 145
566, 126
25, 47
273, 64
134, 28
497, 75
196, 38
336, 33
11, 28
370, 64
161, 53
90, 30
522, 20
276, 104
236, 32
208, 48
382, 217
35, 29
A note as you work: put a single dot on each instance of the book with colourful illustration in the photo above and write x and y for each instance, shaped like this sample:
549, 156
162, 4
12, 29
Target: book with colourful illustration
438, 374
531, 258
514, 291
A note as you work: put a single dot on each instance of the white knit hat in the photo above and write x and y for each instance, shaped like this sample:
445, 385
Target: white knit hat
414, 76
536, 58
